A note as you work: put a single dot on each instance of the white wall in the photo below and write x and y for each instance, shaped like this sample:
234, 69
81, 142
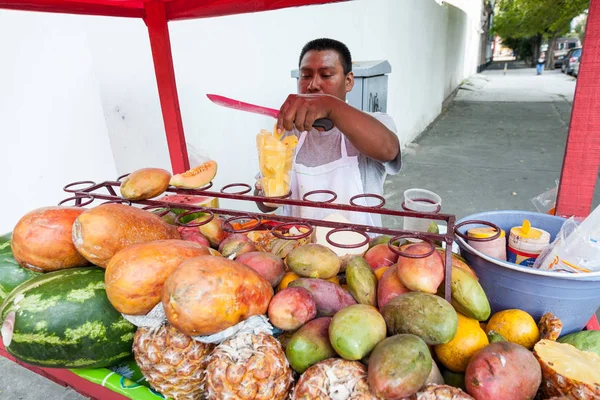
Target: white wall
248, 57
51, 119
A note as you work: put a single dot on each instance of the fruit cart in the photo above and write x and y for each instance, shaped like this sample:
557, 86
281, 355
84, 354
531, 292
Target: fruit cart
582, 153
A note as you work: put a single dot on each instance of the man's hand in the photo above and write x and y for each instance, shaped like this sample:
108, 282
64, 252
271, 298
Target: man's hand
301, 110
366, 133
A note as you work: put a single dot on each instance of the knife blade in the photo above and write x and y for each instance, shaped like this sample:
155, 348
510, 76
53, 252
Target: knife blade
223, 101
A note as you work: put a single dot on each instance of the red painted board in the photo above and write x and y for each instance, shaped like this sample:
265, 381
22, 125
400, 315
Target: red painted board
188, 9
160, 44
582, 153
176, 9
125, 8
66, 378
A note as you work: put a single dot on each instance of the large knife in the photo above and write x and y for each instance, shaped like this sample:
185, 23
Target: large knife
324, 123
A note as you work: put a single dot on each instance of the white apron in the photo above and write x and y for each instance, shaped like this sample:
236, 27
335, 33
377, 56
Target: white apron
341, 176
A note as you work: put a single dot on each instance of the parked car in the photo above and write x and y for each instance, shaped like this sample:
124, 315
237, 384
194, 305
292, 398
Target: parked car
571, 57
561, 48
576, 67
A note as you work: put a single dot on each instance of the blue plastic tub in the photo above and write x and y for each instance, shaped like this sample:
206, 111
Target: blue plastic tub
574, 298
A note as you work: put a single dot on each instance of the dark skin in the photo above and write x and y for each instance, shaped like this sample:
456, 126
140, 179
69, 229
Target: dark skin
322, 89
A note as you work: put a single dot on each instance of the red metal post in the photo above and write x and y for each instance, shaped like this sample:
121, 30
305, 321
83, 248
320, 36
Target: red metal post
158, 30
582, 153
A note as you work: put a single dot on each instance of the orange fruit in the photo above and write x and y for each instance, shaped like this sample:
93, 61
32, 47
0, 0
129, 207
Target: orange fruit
469, 338
292, 276
287, 278
379, 271
516, 326
335, 280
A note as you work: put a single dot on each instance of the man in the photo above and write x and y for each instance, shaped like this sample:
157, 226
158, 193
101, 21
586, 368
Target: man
352, 158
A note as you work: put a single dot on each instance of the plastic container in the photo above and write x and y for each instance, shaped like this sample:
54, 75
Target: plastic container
420, 200
574, 298
494, 248
526, 243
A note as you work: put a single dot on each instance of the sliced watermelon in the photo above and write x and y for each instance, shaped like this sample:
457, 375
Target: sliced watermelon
179, 200
11, 273
63, 319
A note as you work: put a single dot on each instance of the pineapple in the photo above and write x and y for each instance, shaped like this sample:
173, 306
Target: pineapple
275, 158
550, 326
440, 392
249, 366
336, 379
172, 363
568, 371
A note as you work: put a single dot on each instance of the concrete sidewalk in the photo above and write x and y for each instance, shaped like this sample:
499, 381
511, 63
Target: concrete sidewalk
500, 143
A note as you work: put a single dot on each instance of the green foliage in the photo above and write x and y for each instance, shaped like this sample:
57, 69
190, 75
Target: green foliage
526, 18
523, 47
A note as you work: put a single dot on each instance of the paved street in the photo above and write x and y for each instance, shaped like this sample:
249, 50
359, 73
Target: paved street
500, 143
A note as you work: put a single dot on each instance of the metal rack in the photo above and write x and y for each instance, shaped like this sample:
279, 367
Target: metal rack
86, 192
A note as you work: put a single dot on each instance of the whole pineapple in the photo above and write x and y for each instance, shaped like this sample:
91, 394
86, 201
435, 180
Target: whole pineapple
550, 326
248, 366
440, 392
336, 379
172, 363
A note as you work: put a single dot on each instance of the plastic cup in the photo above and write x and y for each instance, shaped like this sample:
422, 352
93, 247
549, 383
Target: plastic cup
420, 200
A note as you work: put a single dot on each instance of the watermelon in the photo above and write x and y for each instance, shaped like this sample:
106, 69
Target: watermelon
11, 273
63, 319
180, 199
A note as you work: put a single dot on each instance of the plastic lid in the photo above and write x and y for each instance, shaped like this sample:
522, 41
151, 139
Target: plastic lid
483, 233
526, 231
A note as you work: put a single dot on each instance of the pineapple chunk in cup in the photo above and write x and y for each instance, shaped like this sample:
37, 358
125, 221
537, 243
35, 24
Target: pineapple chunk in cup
275, 158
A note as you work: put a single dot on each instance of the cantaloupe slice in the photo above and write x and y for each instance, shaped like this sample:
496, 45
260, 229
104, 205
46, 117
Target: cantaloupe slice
196, 177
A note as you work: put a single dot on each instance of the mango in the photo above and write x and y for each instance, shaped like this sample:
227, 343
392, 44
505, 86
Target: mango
421, 274
399, 366
329, 297
380, 256
235, 245
361, 281
494, 337
145, 183
435, 376
314, 261
389, 286
291, 308
382, 239
355, 331
309, 345
426, 315
468, 297
584, 340
268, 265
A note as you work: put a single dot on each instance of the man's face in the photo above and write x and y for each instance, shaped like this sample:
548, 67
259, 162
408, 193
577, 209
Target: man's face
322, 72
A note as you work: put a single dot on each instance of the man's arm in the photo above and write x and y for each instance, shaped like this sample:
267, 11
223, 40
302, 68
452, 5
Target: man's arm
367, 134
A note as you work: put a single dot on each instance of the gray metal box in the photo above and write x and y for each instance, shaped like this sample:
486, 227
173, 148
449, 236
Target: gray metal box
370, 85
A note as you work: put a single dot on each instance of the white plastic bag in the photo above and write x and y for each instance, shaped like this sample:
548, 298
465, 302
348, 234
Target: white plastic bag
156, 317
576, 248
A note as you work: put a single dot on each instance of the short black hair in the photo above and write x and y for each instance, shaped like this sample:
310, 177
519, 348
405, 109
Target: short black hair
324, 44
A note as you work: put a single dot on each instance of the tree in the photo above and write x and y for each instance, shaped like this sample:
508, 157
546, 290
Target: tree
580, 28
537, 19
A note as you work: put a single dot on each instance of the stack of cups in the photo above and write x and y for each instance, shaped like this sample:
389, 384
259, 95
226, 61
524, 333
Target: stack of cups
420, 200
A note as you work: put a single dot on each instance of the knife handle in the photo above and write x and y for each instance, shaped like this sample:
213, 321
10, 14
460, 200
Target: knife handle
324, 123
